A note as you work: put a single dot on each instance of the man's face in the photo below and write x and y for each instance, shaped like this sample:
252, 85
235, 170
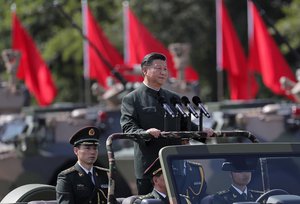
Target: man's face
86, 154
241, 178
156, 73
159, 183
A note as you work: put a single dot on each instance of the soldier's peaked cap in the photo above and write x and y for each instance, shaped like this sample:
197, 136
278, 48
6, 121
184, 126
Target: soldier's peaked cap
87, 135
154, 168
240, 164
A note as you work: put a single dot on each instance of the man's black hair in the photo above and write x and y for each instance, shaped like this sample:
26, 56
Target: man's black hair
149, 58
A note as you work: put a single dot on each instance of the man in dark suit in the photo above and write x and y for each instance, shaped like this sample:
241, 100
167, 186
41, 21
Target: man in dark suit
142, 112
83, 182
241, 171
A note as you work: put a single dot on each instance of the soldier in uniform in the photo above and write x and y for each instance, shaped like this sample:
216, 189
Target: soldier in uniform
159, 187
83, 182
190, 180
241, 172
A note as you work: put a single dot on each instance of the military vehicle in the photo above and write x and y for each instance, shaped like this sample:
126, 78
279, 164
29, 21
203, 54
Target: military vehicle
269, 120
34, 143
35, 146
33, 136
276, 184
274, 167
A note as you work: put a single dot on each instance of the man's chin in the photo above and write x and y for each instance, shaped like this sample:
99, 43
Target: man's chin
91, 162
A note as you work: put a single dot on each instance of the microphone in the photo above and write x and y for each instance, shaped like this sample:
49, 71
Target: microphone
197, 101
187, 103
176, 103
167, 108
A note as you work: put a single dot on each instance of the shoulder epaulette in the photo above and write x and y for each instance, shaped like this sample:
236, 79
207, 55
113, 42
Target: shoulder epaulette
256, 191
223, 192
149, 195
101, 168
69, 170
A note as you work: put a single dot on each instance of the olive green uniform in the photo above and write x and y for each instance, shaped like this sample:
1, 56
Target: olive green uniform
74, 186
231, 195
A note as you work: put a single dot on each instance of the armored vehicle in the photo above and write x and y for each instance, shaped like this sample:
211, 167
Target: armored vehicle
269, 120
35, 145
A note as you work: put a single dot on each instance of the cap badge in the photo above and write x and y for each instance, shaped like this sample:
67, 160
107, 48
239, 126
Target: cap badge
91, 132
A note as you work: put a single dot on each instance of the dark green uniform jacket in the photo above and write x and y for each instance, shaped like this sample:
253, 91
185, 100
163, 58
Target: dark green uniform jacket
231, 195
74, 186
153, 195
190, 180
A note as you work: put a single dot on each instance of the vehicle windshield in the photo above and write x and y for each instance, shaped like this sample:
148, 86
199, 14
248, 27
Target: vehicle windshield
11, 130
223, 172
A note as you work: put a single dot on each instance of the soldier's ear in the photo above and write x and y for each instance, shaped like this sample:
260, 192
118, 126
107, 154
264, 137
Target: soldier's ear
154, 179
75, 150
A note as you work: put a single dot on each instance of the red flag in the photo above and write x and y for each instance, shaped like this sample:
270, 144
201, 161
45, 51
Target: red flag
190, 74
96, 68
231, 57
140, 42
264, 56
32, 69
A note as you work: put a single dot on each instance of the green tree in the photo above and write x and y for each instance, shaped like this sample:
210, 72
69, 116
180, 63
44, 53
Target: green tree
289, 26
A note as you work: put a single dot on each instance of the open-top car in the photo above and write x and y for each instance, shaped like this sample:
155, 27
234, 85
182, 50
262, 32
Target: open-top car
274, 169
202, 173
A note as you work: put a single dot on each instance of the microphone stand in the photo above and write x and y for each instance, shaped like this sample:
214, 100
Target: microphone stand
177, 121
189, 122
165, 121
200, 124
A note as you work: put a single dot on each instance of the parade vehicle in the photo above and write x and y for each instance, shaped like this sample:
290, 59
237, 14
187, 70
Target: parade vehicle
269, 120
34, 141
275, 170
34, 144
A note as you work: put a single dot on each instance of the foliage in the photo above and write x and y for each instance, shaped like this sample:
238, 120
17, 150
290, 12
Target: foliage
191, 21
289, 26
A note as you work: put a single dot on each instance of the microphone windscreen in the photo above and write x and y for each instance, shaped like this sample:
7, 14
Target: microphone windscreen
185, 100
161, 100
196, 100
174, 100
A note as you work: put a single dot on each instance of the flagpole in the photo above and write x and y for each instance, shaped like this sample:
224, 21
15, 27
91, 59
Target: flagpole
125, 31
220, 92
86, 74
250, 33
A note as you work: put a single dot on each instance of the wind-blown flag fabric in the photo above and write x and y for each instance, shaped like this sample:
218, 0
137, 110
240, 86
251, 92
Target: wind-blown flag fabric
32, 68
231, 57
264, 56
96, 67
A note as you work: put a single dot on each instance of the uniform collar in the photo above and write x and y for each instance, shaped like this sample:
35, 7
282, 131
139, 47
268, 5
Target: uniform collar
160, 193
86, 170
239, 191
